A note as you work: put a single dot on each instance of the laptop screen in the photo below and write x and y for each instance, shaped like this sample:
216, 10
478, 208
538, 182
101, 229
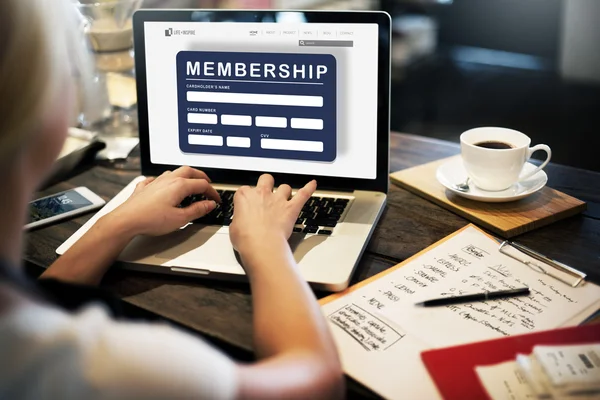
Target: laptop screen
286, 97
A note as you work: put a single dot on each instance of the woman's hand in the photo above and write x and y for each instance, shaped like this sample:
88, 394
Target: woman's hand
299, 358
261, 216
153, 208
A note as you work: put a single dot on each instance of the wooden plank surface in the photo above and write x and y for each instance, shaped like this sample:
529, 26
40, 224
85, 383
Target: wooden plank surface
506, 219
222, 311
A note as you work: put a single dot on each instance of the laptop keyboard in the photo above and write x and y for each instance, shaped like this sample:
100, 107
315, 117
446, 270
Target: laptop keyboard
319, 215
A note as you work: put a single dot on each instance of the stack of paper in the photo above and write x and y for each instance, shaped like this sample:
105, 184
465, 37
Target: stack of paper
549, 372
562, 371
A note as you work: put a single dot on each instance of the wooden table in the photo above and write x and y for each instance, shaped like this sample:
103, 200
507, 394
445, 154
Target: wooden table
222, 312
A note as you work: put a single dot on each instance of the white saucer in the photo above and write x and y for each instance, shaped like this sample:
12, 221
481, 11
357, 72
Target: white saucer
453, 172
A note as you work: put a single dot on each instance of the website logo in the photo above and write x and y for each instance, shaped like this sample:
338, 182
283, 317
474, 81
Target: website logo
180, 32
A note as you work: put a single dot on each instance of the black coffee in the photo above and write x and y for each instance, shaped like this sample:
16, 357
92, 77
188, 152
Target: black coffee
492, 144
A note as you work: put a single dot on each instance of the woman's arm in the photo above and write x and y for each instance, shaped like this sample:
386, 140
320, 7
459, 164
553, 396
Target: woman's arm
152, 210
87, 261
297, 356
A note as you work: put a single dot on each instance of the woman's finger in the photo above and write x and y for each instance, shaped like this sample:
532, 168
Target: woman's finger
302, 196
241, 192
189, 172
284, 191
143, 184
266, 181
198, 209
162, 176
148, 181
197, 186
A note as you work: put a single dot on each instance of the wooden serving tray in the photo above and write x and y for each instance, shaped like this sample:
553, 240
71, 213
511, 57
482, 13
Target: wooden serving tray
506, 219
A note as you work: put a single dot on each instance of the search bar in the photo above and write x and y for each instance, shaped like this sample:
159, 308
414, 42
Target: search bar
326, 43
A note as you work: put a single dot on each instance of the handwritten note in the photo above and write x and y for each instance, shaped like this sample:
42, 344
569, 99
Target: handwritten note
371, 332
470, 263
379, 322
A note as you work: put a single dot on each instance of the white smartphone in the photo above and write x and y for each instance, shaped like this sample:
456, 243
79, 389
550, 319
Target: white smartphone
63, 205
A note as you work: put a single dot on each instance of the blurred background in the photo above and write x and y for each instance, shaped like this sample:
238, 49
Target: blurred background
530, 65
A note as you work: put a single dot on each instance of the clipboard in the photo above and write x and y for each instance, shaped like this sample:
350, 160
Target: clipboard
542, 264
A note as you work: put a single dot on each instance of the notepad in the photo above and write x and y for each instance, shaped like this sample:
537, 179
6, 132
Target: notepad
380, 333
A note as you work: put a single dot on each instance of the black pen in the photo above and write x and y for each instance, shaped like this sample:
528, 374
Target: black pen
444, 301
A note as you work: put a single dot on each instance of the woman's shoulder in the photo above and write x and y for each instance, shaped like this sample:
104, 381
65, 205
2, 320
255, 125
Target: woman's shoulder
29, 322
37, 341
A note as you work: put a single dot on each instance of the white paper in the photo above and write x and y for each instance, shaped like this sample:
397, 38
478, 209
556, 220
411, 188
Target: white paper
378, 353
466, 263
573, 365
534, 375
523, 379
76, 140
117, 147
121, 87
504, 381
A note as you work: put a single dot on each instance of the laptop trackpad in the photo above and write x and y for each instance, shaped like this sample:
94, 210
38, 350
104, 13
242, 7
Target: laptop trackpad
301, 245
196, 245
169, 246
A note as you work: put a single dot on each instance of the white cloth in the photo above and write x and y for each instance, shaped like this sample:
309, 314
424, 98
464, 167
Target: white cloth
46, 353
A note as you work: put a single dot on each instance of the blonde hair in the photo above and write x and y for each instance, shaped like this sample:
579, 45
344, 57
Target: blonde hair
39, 45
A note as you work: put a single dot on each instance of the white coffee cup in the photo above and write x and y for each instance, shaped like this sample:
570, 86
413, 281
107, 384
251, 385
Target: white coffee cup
497, 169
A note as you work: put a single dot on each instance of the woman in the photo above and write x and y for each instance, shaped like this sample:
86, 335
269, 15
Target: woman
48, 352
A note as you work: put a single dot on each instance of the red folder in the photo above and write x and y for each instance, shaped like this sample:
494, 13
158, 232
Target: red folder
453, 368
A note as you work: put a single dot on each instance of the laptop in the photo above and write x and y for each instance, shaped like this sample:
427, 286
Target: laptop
297, 94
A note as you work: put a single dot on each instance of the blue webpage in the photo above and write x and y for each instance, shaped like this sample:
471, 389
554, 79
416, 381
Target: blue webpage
257, 104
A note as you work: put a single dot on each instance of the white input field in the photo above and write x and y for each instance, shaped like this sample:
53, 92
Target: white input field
242, 120
294, 145
194, 118
236, 141
205, 140
307, 123
271, 122
256, 98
